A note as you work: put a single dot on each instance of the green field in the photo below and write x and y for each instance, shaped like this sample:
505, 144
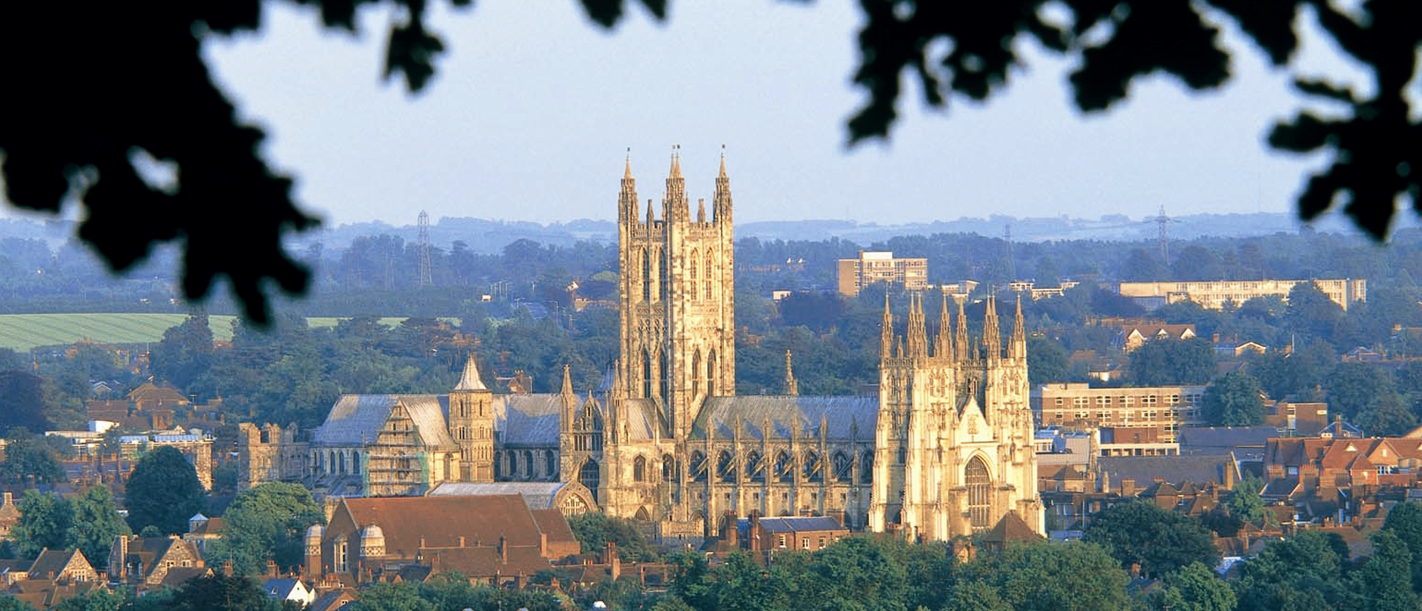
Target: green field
25, 332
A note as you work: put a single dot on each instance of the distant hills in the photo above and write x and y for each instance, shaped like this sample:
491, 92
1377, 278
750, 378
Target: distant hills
490, 236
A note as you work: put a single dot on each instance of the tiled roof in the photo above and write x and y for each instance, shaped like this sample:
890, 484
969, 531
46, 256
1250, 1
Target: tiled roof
847, 417
1011, 528
51, 562
441, 521
149, 392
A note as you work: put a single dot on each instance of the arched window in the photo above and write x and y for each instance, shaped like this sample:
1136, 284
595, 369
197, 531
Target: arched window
639, 469
698, 466
647, 374
842, 467
590, 476
551, 460
709, 276
711, 373
755, 467
813, 472
663, 373
646, 275
528, 465
332, 464
669, 472
696, 372
726, 467
979, 494
661, 275
498, 465
513, 464
866, 467
355, 462
784, 468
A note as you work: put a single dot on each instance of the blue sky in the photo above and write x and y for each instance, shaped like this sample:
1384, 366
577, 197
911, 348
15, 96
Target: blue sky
534, 108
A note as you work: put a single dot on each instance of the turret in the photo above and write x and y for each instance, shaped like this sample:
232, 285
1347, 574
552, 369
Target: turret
916, 334
627, 199
992, 338
960, 335
944, 347
1018, 348
722, 202
886, 330
791, 388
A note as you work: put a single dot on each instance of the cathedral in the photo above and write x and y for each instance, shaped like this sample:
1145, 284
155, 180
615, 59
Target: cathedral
944, 449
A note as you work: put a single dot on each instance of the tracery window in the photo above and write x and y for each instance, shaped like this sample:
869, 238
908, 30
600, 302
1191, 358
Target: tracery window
979, 494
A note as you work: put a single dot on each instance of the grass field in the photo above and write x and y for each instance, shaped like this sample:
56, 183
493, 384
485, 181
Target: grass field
25, 332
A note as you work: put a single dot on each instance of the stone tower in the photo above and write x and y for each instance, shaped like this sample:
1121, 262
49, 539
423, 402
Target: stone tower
471, 423
953, 441
677, 299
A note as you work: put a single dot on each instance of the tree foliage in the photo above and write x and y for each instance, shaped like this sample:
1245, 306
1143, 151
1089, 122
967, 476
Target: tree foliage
60, 143
1161, 541
1165, 362
163, 491
46, 519
96, 523
595, 530
1234, 399
266, 522
29, 461
22, 402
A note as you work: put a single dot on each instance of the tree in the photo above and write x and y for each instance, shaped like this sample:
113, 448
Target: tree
96, 523
185, 353
1301, 572
22, 402
267, 522
219, 592
1193, 588
58, 142
1245, 501
1172, 361
1234, 399
97, 599
1046, 361
29, 461
1405, 521
595, 530
1385, 580
1072, 576
46, 521
163, 491
1161, 541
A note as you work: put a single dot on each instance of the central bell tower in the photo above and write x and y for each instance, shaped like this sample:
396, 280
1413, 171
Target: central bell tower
677, 292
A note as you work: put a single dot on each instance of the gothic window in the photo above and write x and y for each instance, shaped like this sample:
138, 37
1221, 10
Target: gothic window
589, 476
331, 464
726, 467
663, 372
698, 466
866, 467
639, 469
647, 374
709, 276
669, 473
355, 462
711, 373
498, 465
528, 465
755, 467
646, 275
642, 515
979, 494
696, 372
550, 459
784, 469
843, 465
812, 470
513, 464
903, 455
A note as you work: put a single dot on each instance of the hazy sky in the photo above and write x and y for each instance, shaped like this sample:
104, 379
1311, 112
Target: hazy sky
534, 108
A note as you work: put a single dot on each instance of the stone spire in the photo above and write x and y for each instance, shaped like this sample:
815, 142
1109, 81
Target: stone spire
992, 338
469, 380
721, 204
960, 335
886, 330
917, 334
944, 348
1018, 348
627, 200
567, 382
791, 388
701, 210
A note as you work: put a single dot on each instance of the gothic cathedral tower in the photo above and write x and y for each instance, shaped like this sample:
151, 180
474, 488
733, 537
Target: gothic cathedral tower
953, 440
471, 423
677, 300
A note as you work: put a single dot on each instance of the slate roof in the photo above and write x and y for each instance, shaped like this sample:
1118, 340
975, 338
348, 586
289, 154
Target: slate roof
841, 414
538, 495
527, 419
1175, 469
357, 419
789, 524
1221, 440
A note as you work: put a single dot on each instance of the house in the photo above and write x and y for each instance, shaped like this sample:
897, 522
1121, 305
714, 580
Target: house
805, 533
1009, 530
291, 589
62, 567
1134, 336
146, 561
203, 530
9, 515
488, 538
334, 599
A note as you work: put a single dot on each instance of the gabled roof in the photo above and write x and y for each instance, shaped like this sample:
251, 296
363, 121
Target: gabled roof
440, 521
51, 562
154, 394
357, 419
1011, 528
790, 524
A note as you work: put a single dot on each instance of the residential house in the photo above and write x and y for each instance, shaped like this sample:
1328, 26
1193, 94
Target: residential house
289, 589
1130, 337
147, 561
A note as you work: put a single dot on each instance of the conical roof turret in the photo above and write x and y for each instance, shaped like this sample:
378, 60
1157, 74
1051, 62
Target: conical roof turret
1018, 348
886, 330
992, 337
960, 335
469, 380
944, 347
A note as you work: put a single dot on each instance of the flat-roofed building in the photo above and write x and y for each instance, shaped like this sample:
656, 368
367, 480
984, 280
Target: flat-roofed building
1213, 294
881, 266
1078, 406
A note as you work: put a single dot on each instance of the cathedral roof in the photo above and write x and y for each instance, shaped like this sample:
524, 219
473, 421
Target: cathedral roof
527, 419
788, 414
357, 419
538, 495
